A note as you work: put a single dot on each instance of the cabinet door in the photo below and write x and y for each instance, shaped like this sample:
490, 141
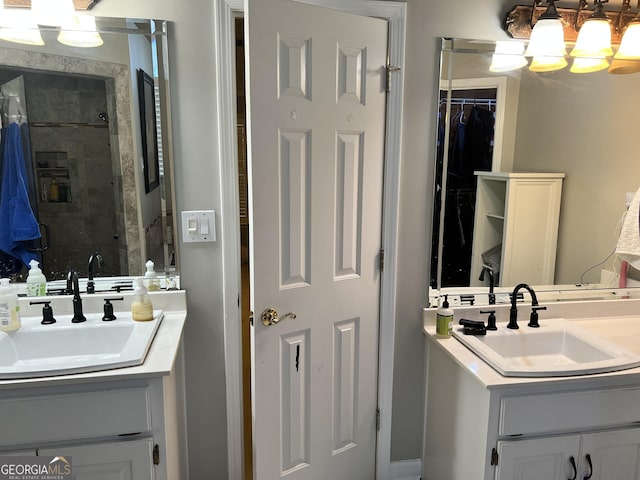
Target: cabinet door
127, 460
614, 454
540, 458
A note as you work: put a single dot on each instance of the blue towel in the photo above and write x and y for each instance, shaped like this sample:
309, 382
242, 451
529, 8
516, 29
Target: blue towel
18, 224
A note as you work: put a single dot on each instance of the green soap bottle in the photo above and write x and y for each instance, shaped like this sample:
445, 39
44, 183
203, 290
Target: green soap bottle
444, 320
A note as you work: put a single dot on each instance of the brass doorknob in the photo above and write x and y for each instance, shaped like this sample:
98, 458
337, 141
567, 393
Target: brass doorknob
270, 317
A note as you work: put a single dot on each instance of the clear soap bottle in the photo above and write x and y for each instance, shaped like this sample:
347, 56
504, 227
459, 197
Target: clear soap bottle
9, 308
151, 280
141, 307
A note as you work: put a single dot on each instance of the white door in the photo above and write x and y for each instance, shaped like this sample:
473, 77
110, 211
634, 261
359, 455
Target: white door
316, 137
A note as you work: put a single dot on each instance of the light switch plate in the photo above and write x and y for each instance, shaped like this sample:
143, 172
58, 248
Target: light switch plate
198, 226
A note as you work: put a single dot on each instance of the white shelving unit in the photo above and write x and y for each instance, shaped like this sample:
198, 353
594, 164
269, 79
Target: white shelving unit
517, 216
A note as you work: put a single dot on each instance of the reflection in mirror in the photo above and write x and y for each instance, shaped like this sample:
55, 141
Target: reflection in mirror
80, 125
578, 127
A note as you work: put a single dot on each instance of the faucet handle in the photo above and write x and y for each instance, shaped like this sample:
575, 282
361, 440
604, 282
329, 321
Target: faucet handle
491, 320
533, 318
47, 311
108, 308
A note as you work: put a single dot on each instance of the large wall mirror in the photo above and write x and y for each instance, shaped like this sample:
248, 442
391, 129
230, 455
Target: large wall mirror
95, 127
580, 127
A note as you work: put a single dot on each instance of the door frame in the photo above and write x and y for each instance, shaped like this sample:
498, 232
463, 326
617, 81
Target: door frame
225, 12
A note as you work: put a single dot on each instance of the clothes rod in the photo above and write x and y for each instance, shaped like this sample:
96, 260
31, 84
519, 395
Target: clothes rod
469, 101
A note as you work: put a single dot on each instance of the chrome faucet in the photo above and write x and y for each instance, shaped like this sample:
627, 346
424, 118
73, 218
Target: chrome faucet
513, 312
92, 259
489, 271
73, 286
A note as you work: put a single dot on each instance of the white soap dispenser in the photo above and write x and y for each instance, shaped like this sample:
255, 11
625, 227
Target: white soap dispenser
9, 308
36, 281
151, 280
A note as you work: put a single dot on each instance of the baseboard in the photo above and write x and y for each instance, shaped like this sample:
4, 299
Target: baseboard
406, 470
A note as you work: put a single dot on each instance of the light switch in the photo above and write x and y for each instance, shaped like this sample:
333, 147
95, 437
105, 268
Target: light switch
199, 226
204, 227
193, 226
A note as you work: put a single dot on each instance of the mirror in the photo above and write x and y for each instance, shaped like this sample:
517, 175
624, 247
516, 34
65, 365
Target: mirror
579, 125
98, 160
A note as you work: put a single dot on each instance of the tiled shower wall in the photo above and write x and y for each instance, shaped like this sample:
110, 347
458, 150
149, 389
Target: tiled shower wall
65, 116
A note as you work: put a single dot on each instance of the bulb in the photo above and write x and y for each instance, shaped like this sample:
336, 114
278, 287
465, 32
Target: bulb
630, 44
594, 40
547, 39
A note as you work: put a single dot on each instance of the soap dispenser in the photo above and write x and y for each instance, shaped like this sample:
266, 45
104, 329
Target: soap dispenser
141, 307
151, 280
444, 320
36, 281
9, 308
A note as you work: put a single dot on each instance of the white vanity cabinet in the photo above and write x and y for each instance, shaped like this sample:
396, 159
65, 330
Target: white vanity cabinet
517, 215
604, 455
111, 460
527, 428
113, 424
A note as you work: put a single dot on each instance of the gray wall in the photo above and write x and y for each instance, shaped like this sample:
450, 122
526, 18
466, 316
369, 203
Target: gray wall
197, 186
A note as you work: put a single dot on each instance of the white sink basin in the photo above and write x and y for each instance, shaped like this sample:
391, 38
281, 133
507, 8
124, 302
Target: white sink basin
557, 348
63, 348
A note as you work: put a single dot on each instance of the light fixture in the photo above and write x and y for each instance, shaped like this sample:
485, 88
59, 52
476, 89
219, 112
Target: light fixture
80, 31
53, 13
547, 36
624, 67
594, 38
544, 63
630, 43
508, 55
17, 25
588, 65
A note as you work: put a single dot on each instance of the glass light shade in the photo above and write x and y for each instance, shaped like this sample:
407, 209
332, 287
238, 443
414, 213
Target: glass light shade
80, 32
588, 65
508, 56
17, 25
52, 12
624, 67
630, 44
543, 63
594, 39
547, 39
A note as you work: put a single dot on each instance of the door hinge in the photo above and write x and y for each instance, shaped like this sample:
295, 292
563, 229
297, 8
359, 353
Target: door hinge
251, 318
156, 454
390, 69
382, 260
377, 419
494, 457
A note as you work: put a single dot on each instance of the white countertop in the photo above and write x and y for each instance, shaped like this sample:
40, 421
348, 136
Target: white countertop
160, 357
613, 320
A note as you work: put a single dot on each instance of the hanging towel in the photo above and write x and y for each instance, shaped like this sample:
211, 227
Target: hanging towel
18, 224
628, 247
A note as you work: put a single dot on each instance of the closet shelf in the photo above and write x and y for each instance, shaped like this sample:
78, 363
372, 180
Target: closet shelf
495, 216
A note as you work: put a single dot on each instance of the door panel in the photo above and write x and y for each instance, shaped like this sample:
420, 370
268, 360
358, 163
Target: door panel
317, 110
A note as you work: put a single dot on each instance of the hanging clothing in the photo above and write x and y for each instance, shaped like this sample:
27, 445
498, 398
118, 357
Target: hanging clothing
628, 246
478, 147
18, 224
